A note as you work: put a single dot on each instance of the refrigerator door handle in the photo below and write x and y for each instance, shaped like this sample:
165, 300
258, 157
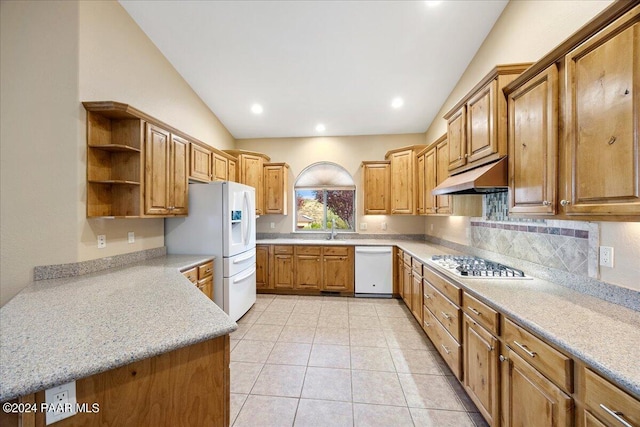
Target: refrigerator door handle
245, 277
246, 223
241, 260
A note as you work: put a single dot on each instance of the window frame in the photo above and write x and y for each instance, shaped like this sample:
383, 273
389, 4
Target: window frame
325, 189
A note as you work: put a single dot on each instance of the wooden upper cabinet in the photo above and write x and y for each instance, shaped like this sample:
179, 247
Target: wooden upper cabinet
250, 172
276, 178
156, 189
179, 176
430, 180
457, 137
533, 144
200, 165
420, 191
403, 179
220, 167
477, 125
443, 203
166, 169
603, 104
376, 187
232, 169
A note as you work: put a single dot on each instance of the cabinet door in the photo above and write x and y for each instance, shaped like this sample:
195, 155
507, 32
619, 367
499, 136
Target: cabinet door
443, 203
251, 174
156, 182
529, 399
603, 102
178, 176
416, 297
400, 273
421, 186
481, 369
262, 267
308, 272
533, 145
402, 170
376, 188
457, 137
200, 163
338, 273
220, 168
232, 170
430, 174
482, 127
407, 287
283, 272
206, 287
275, 189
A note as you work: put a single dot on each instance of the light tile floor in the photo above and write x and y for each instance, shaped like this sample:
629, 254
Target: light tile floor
331, 361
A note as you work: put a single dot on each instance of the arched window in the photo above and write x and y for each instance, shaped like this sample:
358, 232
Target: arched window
325, 194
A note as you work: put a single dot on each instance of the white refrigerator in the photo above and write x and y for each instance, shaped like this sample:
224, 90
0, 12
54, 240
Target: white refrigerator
222, 223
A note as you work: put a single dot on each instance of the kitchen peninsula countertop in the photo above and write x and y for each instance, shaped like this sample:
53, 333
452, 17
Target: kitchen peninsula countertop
60, 330
604, 335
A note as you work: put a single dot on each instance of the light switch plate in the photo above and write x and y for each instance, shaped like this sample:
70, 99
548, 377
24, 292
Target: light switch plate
131, 236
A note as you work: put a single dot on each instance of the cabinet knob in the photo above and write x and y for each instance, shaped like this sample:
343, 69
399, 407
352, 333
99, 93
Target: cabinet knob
502, 358
546, 203
459, 157
466, 156
565, 202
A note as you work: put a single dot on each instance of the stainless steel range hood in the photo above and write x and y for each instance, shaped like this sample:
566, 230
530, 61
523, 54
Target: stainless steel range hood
491, 178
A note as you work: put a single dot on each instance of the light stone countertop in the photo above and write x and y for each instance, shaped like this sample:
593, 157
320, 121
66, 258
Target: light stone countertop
60, 330
604, 335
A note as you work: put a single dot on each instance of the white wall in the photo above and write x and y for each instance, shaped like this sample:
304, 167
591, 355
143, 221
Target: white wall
348, 152
53, 56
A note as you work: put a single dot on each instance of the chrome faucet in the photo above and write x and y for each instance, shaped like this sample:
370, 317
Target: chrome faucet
333, 230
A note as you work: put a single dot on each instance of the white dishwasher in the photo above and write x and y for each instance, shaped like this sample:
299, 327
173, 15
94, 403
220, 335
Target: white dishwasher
374, 271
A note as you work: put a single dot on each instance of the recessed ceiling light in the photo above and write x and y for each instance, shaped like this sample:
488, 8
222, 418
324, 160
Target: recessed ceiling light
432, 3
397, 102
320, 127
256, 109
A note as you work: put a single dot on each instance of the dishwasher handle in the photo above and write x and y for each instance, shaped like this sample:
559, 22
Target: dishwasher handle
373, 250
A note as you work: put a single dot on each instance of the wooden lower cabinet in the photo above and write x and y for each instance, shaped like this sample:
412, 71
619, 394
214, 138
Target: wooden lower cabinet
201, 276
480, 367
530, 399
407, 280
305, 269
185, 387
416, 296
605, 403
262, 267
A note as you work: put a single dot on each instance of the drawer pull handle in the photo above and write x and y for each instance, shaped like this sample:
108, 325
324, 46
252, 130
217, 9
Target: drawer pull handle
427, 296
446, 349
502, 358
619, 416
446, 316
525, 349
474, 311
427, 325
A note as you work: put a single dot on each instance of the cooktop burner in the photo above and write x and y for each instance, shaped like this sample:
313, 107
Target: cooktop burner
470, 267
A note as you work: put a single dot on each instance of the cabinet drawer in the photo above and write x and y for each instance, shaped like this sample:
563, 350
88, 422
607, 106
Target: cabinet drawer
481, 313
608, 403
448, 347
191, 274
447, 313
336, 250
407, 258
205, 270
549, 361
283, 250
450, 290
308, 250
416, 265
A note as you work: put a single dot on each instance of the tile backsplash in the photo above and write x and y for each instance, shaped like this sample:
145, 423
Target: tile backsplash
565, 245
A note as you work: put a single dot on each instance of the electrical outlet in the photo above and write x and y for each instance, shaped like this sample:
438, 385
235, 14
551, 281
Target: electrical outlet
60, 402
272, 225
363, 226
606, 256
131, 236
383, 226
102, 241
